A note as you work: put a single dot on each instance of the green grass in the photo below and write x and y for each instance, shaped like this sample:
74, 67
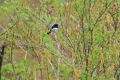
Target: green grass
86, 47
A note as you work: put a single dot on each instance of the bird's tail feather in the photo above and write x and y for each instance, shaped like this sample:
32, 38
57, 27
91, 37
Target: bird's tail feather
49, 32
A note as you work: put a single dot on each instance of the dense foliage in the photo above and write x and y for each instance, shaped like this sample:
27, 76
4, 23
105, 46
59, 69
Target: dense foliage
85, 47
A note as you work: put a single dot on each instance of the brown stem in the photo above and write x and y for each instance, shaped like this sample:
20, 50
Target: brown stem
1, 58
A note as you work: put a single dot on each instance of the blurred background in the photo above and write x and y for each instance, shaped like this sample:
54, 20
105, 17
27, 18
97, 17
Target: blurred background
85, 47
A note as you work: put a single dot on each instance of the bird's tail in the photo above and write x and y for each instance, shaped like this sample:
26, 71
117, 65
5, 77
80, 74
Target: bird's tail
49, 32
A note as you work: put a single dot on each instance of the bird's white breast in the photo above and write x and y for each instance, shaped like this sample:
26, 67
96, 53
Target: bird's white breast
55, 29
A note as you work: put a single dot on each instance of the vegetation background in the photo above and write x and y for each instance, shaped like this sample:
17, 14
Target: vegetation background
85, 47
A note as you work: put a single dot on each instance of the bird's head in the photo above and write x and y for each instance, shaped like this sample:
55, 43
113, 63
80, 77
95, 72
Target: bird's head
54, 26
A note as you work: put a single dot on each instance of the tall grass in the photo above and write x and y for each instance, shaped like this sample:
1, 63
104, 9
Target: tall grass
86, 46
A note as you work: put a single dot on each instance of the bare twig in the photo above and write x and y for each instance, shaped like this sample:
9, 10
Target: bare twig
53, 68
101, 14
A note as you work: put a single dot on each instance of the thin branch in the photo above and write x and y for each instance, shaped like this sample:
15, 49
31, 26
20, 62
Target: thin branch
53, 68
1, 58
101, 14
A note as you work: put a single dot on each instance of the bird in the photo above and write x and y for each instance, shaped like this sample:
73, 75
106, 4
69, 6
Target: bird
53, 28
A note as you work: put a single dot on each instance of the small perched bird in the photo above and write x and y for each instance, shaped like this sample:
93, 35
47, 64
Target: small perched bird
54, 27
